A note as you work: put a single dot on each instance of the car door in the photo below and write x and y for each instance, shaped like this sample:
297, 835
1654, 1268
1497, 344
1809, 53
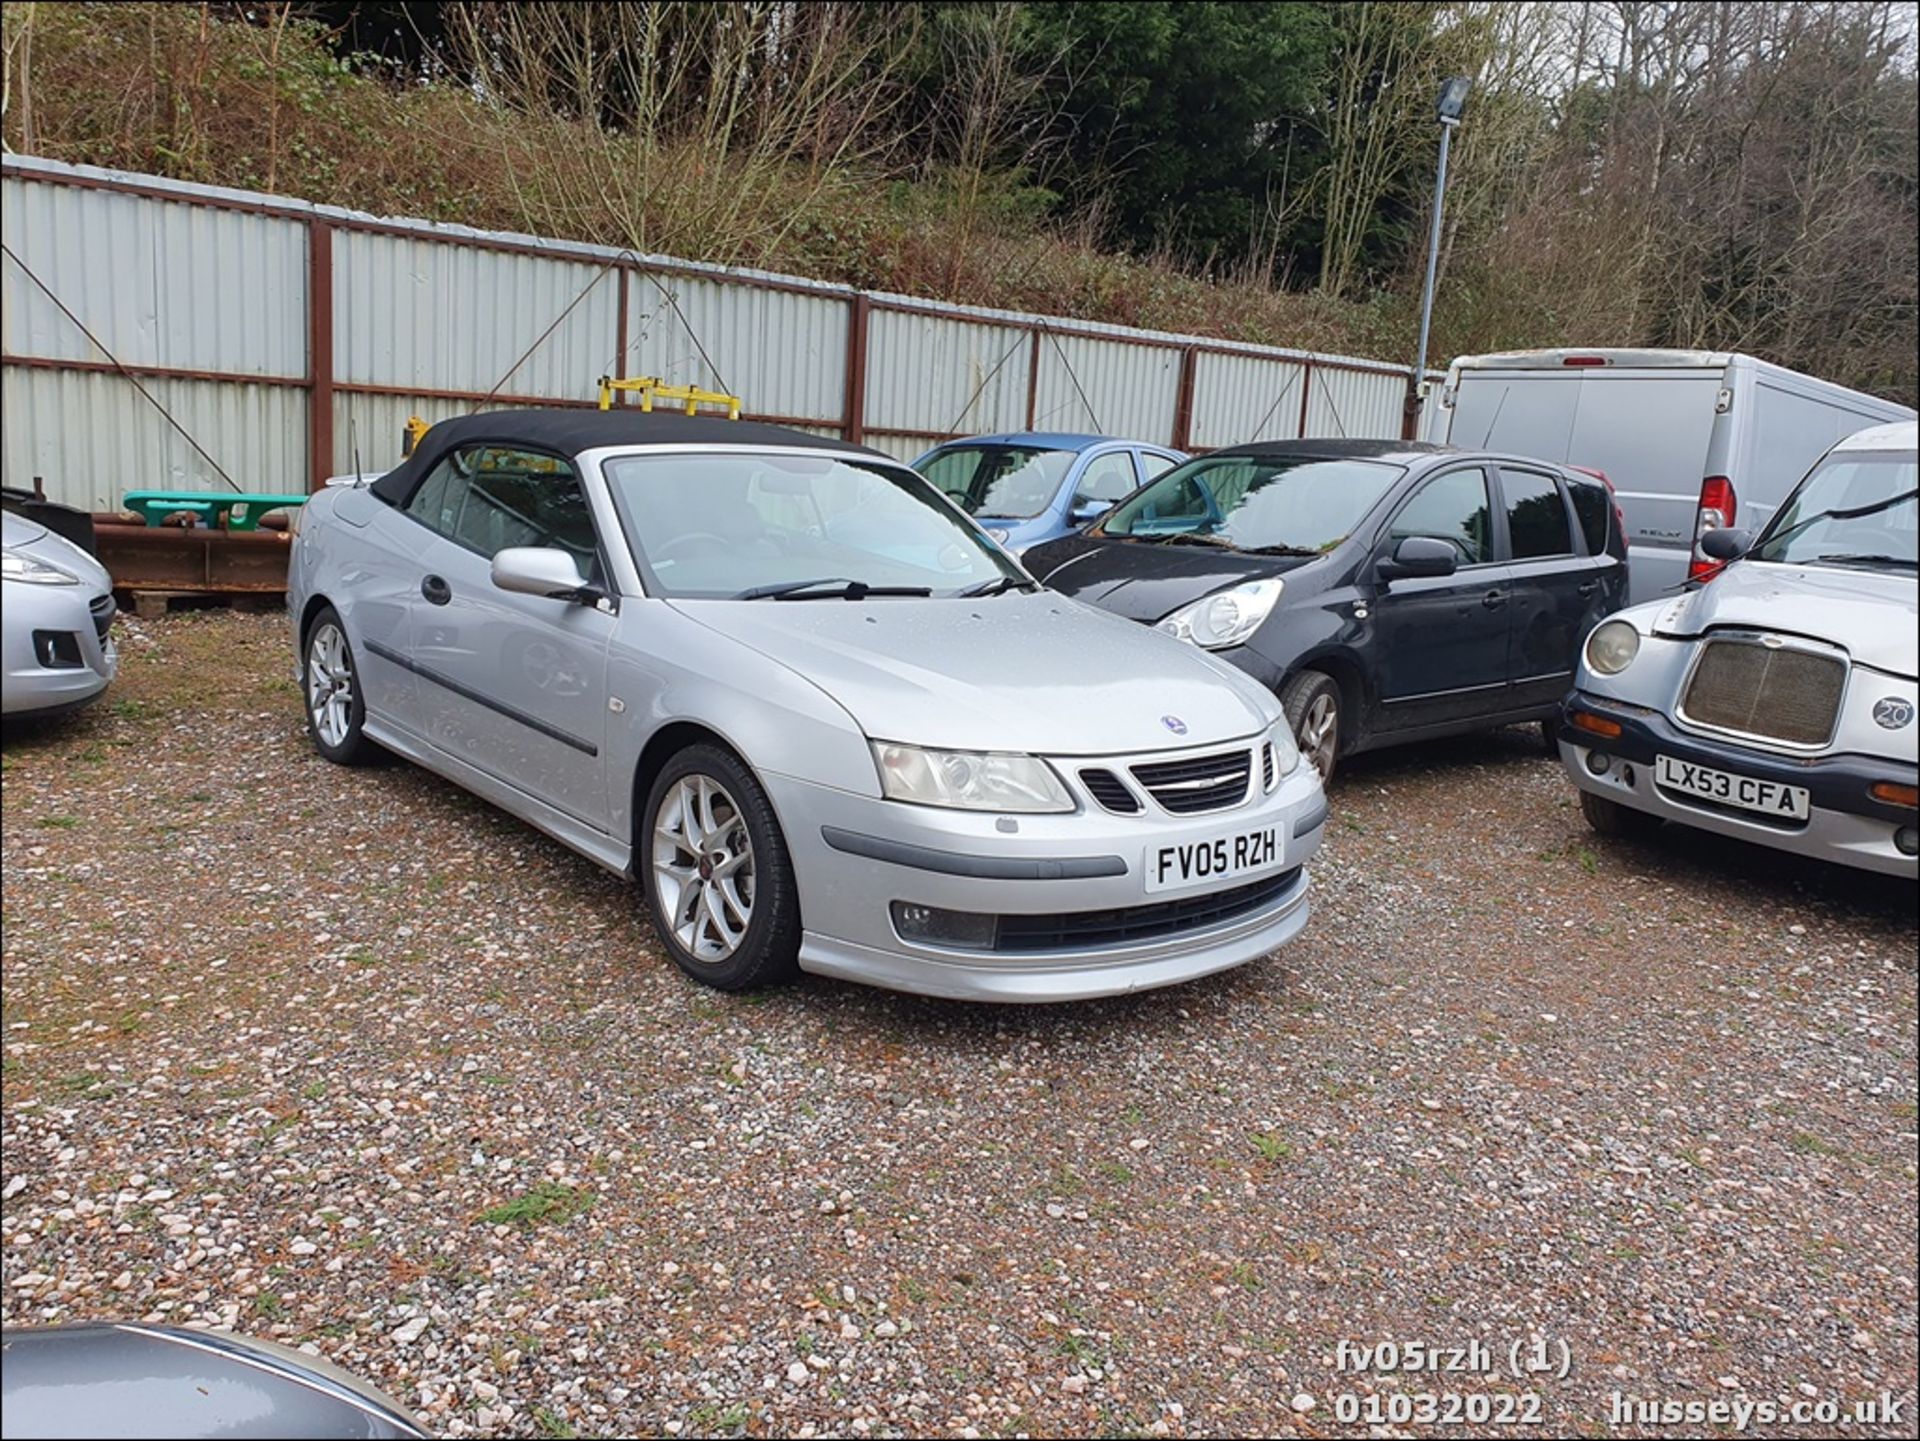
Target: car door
1439, 643
1555, 584
1102, 479
514, 685
374, 552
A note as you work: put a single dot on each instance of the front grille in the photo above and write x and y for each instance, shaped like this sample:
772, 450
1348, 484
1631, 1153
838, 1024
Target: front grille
1200, 783
1266, 766
103, 611
1780, 693
1108, 789
1088, 930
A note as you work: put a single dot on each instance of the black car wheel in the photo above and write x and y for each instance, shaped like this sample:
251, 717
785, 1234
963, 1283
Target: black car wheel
1312, 703
719, 883
1615, 821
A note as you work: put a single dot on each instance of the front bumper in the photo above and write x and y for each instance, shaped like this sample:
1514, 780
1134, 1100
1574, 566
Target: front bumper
1846, 824
854, 856
56, 651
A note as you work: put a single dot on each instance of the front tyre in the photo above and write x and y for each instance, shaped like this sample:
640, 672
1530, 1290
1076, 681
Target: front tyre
330, 683
1615, 821
1312, 703
719, 882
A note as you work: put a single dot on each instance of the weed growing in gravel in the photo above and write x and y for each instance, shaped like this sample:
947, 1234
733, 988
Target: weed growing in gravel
547, 1202
1269, 1147
1242, 1274
271, 1305
1114, 1171
548, 1423
57, 823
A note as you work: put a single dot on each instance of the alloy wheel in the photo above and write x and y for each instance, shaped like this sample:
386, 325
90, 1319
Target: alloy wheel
703, 867
330, 683
1320, 733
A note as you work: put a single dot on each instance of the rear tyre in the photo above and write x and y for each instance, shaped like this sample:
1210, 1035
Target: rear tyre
330, 683
718, 879
1615, 821
1312, 703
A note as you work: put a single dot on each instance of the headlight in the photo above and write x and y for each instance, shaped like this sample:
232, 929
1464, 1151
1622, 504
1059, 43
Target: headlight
1226, 617
18, 565
969, 780
1612, 647
1286, 750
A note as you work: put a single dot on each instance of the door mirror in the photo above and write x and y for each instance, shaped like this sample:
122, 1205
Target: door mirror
1418, 555
1726, 543
539, 570
1088, 511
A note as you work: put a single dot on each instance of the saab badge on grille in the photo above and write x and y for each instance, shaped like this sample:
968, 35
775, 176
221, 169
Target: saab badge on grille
1179, 727
1892, 712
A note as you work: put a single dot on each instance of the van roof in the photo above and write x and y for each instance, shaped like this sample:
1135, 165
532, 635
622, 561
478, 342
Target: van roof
1901, 435
1569, 356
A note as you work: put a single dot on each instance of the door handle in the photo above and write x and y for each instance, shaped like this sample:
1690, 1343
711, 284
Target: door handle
436, 590
1494, 599
1588, 587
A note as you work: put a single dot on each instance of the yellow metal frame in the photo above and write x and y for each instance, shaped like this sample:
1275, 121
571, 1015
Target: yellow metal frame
649, 388
411, 434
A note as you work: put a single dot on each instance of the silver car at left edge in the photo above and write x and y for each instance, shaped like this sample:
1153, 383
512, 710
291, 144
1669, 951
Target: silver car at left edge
56, 645
821, 718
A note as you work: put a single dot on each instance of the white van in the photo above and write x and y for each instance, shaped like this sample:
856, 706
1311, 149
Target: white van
1690, 439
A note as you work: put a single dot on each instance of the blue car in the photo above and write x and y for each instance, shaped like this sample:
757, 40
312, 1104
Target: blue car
1032, 486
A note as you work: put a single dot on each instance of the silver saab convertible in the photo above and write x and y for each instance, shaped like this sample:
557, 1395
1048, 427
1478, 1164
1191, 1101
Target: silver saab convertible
815, 710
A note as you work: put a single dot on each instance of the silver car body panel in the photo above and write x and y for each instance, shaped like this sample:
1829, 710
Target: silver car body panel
27, 685
544, 707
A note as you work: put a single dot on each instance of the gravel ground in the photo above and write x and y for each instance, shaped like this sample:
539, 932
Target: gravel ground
349, 1060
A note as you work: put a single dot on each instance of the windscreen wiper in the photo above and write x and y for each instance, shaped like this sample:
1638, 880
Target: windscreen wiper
1280, 550
1194, 537
832, 587
997, 586
1854, 513
1907, 561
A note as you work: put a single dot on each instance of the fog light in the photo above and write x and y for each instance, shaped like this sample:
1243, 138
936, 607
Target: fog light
1599, 762
963, 930
1906, 840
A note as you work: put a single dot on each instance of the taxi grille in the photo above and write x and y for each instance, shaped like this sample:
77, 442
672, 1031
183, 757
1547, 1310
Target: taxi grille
1198, 784
1087, 930
1776, 692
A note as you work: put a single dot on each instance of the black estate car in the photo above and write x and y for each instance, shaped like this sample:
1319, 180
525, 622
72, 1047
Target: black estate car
1387, 590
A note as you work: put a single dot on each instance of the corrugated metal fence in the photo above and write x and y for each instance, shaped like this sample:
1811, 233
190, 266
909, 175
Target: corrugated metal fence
292, 341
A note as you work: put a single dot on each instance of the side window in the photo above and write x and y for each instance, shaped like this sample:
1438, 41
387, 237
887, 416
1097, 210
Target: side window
1595, 509
517, 497
436, 504
1106, 479
1454, 508
1536, 515
1153, 465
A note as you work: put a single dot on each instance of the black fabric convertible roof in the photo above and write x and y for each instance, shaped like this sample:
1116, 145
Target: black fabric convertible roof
568, 432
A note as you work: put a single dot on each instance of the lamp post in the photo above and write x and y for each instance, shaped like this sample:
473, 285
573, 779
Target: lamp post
1453, 99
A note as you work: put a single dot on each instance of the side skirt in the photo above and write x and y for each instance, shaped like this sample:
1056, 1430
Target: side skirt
596, 846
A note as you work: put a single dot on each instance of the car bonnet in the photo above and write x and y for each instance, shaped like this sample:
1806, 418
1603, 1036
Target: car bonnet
1873, 614
1032, 673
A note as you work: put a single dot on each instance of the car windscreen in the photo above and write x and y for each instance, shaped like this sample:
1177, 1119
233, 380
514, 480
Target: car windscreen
720, 525
1282, 504
1856, 509
998, 482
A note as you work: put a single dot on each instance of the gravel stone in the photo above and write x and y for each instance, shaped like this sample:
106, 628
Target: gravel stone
255, 1002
